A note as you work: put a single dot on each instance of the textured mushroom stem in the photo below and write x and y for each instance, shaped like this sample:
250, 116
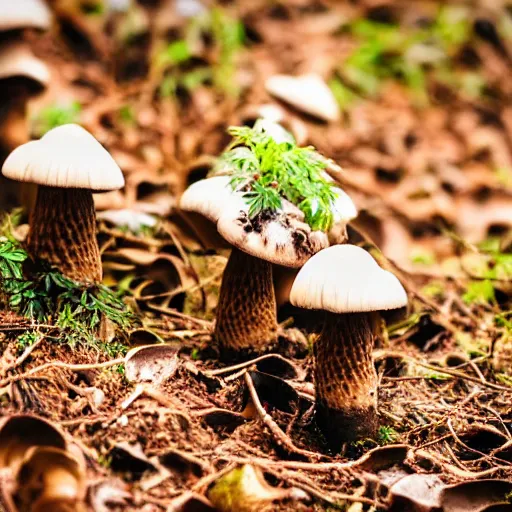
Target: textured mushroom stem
246, 313
345, 378
63, 233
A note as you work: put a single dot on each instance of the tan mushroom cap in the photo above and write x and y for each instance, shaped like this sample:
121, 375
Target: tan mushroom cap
346, 279
17, 60
210, 197
18, 14
283, 239
66, 157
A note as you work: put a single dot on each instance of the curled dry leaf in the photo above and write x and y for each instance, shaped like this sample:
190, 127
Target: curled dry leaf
476, 496
45, 472
275, 392
245, 489
20, 432
130, 460
140, 337
223, 419
132, 219
190, 502
107, 494
417, 493
151, 363
50, 479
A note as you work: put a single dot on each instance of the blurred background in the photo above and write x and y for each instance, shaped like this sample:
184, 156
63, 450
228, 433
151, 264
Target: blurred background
412, 99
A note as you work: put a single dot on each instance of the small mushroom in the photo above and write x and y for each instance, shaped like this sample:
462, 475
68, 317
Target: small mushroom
68, 164
308, 93
22, 76
346, 283
16, 15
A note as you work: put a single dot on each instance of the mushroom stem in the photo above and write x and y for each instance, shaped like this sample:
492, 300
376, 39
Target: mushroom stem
63, 233
246, 313
345, 378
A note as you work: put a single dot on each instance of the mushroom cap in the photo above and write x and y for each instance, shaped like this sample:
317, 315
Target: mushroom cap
282, 238
343, 208
210, 197
18, 14
308, 93
66, 157
17, 60
346, 279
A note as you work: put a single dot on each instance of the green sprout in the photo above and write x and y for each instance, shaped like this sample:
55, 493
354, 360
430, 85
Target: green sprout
55, 115
387, 435
265, 171
27, 339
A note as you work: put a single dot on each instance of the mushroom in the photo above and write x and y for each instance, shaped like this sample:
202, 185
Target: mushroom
68, 164
24, 14
22, 76
308, 93
246, 312
348, 284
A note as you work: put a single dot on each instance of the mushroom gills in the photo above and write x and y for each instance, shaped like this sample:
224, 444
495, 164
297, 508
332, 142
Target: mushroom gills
345, 377
246, 313
63, 233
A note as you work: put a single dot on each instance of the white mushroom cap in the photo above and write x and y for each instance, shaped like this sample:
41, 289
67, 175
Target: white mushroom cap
210, 197
66, 157
18, 14
282, 239
275, 130
17, 60
346, 279
344, 209
308, 93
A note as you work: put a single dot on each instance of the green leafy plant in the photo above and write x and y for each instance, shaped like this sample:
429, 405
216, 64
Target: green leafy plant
55, 115
226, 35
265, 171
51, 297
387, 435
388, 51
27, 339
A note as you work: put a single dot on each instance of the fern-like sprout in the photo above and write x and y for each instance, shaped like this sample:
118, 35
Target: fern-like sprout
265, 171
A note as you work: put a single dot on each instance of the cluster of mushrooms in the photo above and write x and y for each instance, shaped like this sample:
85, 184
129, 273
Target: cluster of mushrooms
22, 77
342, 280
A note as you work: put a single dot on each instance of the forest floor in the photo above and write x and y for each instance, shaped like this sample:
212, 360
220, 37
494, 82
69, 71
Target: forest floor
425, 143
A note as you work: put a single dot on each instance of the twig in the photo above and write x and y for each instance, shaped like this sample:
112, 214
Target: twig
177, 314
60, 364
458, 440
447, 371
240, 366
280, 436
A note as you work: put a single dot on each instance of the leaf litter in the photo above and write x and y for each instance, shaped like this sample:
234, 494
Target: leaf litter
424, 143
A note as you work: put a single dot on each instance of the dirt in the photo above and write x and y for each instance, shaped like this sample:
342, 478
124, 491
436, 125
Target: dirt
433, 189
